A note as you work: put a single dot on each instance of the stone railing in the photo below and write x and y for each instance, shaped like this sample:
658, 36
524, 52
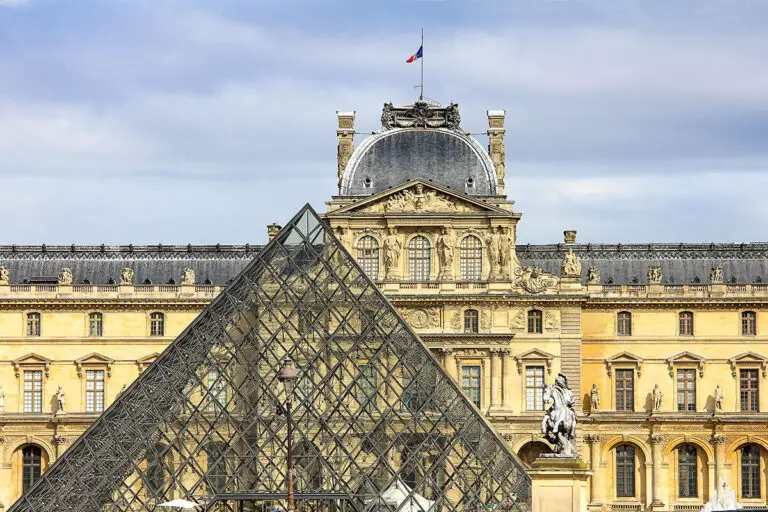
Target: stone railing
427, 287
105, 291
678, 290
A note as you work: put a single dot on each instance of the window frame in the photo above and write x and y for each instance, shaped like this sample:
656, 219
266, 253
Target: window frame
419, 258
369, 258
468, 381
33, 391
535, 321
625, 457
690, 487
686, 323
36, 469
538, 390
624, 323
748, 323
756, 467
95, 392
471, 258
99, 317
752, 394
687, 373
626, 392
33, 324
157, 319
471, 321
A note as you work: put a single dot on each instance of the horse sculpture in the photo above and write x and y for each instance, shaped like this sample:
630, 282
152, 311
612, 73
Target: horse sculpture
559, 422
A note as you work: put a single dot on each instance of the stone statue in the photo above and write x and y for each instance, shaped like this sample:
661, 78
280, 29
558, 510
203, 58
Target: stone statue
60, 397
2, 399
593, 275
4, 275
559, 422
65, 277
494, 252
188, 276
126, 276
594, 399
392, 248
445, 253
657, 397
571, 266
719, 399
654, 274
716, 275
505, 250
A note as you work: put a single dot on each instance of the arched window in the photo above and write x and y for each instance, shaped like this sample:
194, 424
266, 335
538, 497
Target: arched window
95, 324
625, 471
535, 321
471, 258
750, 471
157, 324
471, 321
418, 258
33, 324
368, 256
687, 471
624, 323
748, 323
31, 466
686, 323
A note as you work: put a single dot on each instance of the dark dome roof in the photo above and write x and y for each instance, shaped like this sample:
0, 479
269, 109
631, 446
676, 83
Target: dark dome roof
447, 157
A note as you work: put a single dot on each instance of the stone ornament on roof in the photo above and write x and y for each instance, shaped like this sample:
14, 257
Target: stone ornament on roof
126, 276
593, 275
654, 274
420, 115
534, 279
188, 277
65, 277
716, 275
4, 275
571, 265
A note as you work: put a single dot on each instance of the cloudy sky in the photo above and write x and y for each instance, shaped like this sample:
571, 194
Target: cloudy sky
181, 121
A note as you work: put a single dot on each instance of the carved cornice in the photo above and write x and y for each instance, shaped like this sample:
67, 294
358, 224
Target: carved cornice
468, 338
591, 438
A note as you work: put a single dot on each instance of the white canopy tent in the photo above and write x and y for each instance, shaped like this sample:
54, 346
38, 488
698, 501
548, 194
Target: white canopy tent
179, 503
399, 496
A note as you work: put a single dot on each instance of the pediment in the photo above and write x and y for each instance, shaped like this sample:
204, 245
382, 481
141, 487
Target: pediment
419, 196
534, 355
624, 358
145, 361
31, 359
749, 358
686, 357
94, 359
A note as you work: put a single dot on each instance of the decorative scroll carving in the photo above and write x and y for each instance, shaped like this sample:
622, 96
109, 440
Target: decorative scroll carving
188, 277
65, 277
656, 439
126, 276
534, 279
471, 352
420, 115
718, 439
593, 275
571, 265
4, 275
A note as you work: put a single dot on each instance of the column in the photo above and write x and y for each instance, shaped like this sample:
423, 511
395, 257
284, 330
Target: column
450, 363
719, 441
596, 484
507, 380
485, 398
496, 378
656, 442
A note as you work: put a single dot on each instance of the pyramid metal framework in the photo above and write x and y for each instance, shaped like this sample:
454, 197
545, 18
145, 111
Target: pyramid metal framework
373, 409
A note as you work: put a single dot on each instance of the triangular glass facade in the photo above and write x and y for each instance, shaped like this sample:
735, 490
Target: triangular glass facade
377, 423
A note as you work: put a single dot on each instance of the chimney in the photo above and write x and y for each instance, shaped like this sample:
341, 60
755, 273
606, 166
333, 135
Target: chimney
346, 134
496, 133
273, 230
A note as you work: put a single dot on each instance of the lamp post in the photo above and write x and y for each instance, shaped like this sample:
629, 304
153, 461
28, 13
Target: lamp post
287, 375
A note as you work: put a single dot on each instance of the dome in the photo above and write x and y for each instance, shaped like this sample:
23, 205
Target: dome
426, 145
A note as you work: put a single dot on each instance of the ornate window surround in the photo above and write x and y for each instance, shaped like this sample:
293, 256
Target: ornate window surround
625, 361
93, 361
31, 362
685, 359
748, 360
144, 362
534, 357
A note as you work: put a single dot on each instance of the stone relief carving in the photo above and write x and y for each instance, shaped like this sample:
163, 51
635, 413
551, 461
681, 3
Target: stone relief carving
594, 399
422, 115
485, 321
419, 200
571, 265
518, 322
654, 274
534, 279
392, 248
552, 320
65, 276
126, 276
188, 276
445, 247
657, 397
4, 275
434, 317
456, 320
593, 275
716, 275
471, 352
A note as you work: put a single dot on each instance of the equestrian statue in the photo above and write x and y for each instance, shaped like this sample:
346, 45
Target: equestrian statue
559, 422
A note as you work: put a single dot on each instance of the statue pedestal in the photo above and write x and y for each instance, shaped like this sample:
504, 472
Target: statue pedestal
571, 284
559, 484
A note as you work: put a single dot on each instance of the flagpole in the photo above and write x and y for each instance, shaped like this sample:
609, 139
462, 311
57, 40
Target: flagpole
421, 94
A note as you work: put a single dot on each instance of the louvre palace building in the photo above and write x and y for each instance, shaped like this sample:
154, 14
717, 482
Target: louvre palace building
662, 344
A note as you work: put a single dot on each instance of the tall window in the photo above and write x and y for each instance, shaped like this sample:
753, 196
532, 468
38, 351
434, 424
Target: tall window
535, 321
625, 390
217, 391
534, 388
471, 321
625, 471
748, 323
686, 323
33, 324
157, 324
418, 258
687, 471
368, 256
31, 466
33, 391
624, 323
470, 383
750, 471
471, 258
366, 390
748, 387
94, 390
686, 390
95, 324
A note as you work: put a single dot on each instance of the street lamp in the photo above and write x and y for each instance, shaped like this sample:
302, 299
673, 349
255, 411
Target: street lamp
287, 375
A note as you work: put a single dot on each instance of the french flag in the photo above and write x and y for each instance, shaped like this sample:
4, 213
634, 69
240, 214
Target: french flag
417, 55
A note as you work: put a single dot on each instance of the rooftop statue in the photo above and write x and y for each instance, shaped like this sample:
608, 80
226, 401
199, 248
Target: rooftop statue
559, 422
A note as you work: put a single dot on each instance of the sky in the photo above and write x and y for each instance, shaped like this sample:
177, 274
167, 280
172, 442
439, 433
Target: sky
190, 121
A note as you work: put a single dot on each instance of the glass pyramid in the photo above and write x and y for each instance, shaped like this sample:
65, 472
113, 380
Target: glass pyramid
377, 424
